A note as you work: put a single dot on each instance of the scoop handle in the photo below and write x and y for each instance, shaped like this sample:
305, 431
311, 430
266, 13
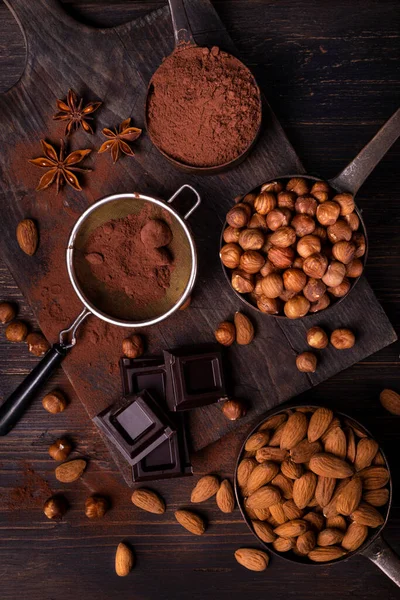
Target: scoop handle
180, 22
382, 555
353, 176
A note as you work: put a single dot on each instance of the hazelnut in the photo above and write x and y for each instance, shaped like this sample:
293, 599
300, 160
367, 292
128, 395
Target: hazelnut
321, 191
321, 196
230, 255
315, 265
328, 213
360, 244
54, 402
231, 234
268, 268
344, 252
251, 239
306, 205
249, 198
281, 257
132, 346
239, 215
298, 185
96, 507
320, 232
265, 202
353, 220
342, 339
346, 203
257, 221
314, 290
7, 312
334, 274
267, 305
307, 245
242, 282
294, 280
286, 200
283, 237
306, 362
354, 268
233, 409
272, 285
61, 449
258, 288
225, 334
37, 344
272, 186
340, 290
251, 261
267, 243
321, 304
186, 304
303, 224
279, 217
298, 262
339, 231
55, 507
296, 307
286, 295
317, 338
16, 331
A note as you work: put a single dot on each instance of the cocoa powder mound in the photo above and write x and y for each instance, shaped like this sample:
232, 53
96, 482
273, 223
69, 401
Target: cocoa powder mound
204, 107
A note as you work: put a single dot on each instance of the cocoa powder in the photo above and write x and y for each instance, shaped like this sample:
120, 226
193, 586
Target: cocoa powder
203, 108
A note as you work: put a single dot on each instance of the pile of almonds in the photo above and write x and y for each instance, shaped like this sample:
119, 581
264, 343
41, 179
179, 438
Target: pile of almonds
293, 246
312, 483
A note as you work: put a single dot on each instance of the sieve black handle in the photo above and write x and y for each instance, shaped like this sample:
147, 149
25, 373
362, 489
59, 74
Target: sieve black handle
16, 404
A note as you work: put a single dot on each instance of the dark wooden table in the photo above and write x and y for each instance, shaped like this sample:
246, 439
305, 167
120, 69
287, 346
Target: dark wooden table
330, 72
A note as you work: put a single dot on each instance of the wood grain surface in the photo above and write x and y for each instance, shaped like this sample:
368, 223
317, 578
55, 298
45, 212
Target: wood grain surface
332, 80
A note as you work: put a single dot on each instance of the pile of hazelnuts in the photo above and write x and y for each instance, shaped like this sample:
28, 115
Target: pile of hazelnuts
293, 247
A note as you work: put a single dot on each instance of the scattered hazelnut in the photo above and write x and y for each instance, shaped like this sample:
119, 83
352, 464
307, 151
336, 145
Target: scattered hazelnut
279, 217
242, 282
314, 289
317, 338
272, 285
251, 239
282, 258
296, 307
283, 237
270, 306
257, 221
96, 507
354, 268
233, 409
359, 240
334, 274
328, 213
7, 312
265, 202
340, 290
155, 234
346, 203
353, 220
55, 507
37, 344
344, 252
298, 185
303, 224
272, 186
132, 346
225, 334
186, 304
239, 215
251, 261
287, 200
342, 339
307, 245
306, 362
231, 234
306, 205
321, 304
339, 231
230, 255
315, 265
268, 268
294, 280
54, 402
16, 331
61, 449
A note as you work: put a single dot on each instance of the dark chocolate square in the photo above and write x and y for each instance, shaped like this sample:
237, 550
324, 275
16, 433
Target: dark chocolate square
144, 374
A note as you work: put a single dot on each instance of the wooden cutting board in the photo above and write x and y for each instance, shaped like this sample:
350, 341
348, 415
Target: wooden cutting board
115, 65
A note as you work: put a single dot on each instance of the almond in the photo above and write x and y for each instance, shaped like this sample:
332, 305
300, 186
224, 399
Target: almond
304, 489
257, 441
294, 430
244, 470
292, 511
291, 529
374, 478
316, 519
291, 469
149, 501
335, 442
225, 498
337, 522
283, 544
354, 536
264, 531
252, 559
330, 509
377, 497
333, 424
272, 521
329, 537
206, 487
261, 475
324, 490
365, 454
244, 329
304, 451
327, 553
190, 521
124, 560
276, 438
27, 236
268, 453
319, 423
273, 422
306, 542
391, 401
264, 497
351, 445
349, 497
278, 514
284, 484
329, 465
70, 471
361, 433
367, 515
262, 514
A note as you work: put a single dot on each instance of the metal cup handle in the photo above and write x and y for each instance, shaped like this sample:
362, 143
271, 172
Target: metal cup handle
195, 192
382, 555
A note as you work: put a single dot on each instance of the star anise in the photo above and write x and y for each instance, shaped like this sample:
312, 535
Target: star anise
118, 140
60, 166
74, 113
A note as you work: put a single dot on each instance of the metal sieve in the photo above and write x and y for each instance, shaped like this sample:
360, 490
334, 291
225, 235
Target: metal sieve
112, 306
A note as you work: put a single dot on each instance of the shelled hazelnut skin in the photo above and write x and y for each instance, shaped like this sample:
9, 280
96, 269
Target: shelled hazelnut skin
251, 239
306, 362
233, 409
272, 285
317, 338
54, 402
230, 255
61, 449
342, 339
16, 331
225, 334
251, 262
231, 234
37, 344
8, 312
55, 507
242, 282
133, 347
96, 507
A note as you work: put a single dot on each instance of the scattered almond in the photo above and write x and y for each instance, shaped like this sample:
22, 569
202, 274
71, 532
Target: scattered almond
225, 498
391, 401
70, 471
190, 521
124, 560
205, 488
149, 501
244, 329
27, 236
252, 559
